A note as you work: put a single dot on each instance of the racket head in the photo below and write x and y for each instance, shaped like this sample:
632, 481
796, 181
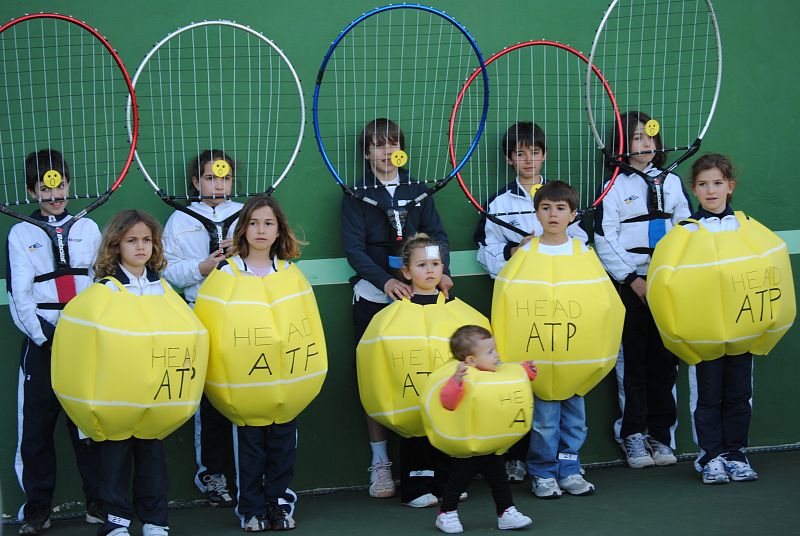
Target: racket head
63, 91
217, 85
405, 63
539, 82
663, 59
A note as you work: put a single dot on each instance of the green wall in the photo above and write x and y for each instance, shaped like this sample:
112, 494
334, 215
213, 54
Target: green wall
756, 122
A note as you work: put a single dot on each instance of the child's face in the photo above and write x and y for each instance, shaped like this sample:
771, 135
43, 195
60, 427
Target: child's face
555, 216
136, 248
262, 230
425, 270
379, 155
527, 161
214, 190
641, 141
52, 201
712, 189
484, 356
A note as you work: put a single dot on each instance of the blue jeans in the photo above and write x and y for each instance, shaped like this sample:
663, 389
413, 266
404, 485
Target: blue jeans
559, 430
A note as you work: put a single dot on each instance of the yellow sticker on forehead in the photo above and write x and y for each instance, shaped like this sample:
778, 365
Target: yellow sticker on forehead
652, 128
221, 168
399, 158
51, 178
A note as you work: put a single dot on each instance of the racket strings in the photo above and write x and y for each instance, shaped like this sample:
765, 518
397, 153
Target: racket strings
62, 90
218, 85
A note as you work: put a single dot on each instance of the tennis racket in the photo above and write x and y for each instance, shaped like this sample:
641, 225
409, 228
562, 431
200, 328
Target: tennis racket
404, 63
217, 85
63, 89
540, 82
664, 60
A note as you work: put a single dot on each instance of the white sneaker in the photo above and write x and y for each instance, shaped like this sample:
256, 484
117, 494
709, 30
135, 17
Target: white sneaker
576, 485
515, 470
546, 488
513, 519
740, 471
449, 523
381, 483
662, 454
148, 529
714, 472
121, 531
423, 501
636, 452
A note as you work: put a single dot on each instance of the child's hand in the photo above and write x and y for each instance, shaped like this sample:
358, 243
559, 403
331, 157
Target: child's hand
532, 365
445, 284
524, 241
461, 371
207, 265
397, 290
639, 286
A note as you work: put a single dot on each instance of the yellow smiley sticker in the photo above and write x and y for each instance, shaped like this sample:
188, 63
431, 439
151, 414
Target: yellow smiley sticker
399, 158
534, 188
652, 127
221, 168
51, 178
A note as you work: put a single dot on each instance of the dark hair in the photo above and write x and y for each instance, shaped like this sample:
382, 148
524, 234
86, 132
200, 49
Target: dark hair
711, 161
556, 191
631, 120
462, 342
522, 134
419, 240
197, 164
286, 245
378, 132
108, 257
40, 162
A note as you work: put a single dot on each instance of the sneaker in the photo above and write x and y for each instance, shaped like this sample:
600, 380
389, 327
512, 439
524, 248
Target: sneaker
148, 529
121, 531
739, 471
94, 512
515, 470
257, 523
576, 485
36, 524
464, 496
714, 472
217, 491
636, 452
513, 519
662, 454
448, 522
546, 488
381, 483
423, 501
279, 519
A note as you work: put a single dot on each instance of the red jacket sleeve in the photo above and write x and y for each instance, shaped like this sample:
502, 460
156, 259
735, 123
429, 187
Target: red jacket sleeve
451, 394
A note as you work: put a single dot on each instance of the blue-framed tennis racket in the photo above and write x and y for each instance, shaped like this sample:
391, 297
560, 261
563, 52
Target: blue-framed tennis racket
405, 63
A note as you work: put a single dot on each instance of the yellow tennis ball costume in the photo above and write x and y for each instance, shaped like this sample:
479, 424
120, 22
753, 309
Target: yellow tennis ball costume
737, 283
495, 412
268, 357
562, 312
403, 344
129, 366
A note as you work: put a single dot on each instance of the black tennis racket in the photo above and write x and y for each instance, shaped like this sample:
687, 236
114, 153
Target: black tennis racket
224, 86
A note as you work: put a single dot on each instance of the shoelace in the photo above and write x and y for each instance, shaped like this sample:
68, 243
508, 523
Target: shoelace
382, 472
216, 483
636, 448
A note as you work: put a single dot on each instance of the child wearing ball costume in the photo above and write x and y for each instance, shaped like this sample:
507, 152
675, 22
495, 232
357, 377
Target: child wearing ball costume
369, 240
36, 295
474, 346
720, 390
265, 455
628, 224
132, 253
524, 148
189, 261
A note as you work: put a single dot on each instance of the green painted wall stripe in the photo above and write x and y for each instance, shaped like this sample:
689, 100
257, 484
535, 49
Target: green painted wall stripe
463, 263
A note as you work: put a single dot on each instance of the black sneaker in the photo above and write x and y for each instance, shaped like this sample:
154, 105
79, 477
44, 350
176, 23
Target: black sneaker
94, 512
217, 491
279, 519
36, 523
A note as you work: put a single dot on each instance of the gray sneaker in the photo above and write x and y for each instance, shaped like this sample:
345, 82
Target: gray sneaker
546, 488
662, 454
714, 472
636, 452
576, 485
515, 470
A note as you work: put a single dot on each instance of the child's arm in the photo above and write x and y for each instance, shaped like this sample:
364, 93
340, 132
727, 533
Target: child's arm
616, 259
530, 368
494, 248
453, 391
19, 286
354, 241
187, 265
